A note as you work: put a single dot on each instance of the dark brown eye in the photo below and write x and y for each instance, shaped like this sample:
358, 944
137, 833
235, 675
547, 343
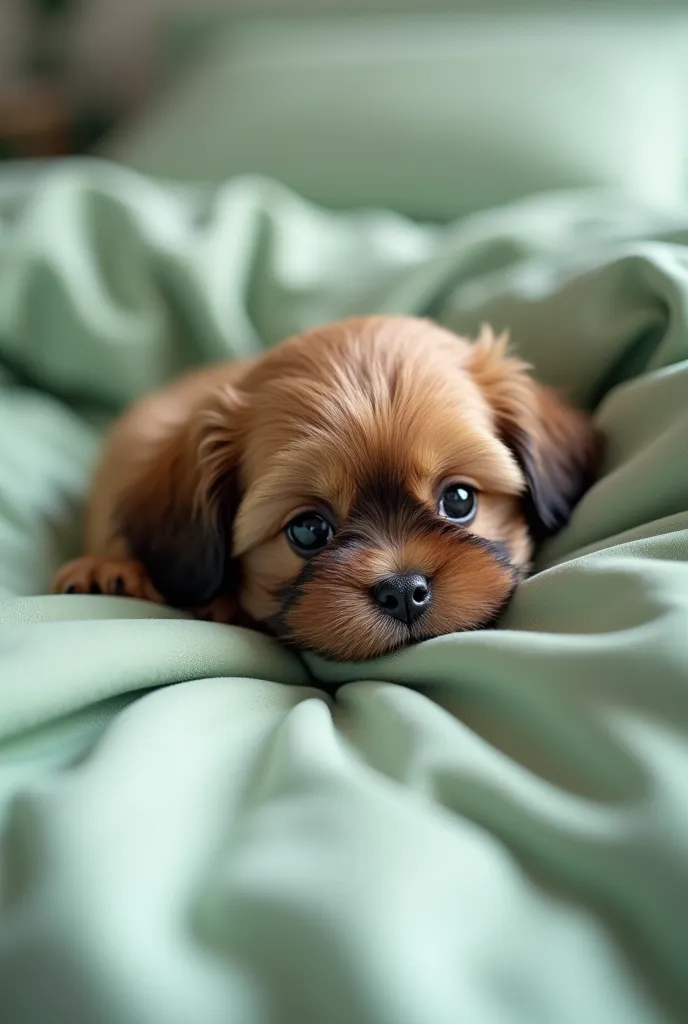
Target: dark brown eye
458, 502
308, 533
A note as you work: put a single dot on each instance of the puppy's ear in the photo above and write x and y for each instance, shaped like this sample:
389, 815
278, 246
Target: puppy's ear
177, 516
556, 445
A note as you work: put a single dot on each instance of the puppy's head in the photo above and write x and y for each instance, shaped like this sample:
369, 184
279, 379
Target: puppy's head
371, 484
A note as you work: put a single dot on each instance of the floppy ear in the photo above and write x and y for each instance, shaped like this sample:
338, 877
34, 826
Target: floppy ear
177, 515
556, 445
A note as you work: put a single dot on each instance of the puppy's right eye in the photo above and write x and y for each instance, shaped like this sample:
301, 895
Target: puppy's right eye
308, 533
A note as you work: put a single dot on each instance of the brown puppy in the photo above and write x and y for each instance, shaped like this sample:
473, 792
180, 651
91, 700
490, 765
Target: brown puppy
360, 487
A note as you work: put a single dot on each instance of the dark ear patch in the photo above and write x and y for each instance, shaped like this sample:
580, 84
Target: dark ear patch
557, 477
177, 516
185, 557
556, 445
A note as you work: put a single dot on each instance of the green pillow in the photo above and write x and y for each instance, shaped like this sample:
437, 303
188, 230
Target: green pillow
431, 116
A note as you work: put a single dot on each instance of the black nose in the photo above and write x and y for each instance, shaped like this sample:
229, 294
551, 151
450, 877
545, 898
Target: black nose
404, 597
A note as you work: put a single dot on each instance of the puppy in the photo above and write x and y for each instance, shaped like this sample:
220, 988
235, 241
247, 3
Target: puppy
360, 487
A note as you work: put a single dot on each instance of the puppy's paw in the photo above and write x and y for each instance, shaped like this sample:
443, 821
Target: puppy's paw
92, 575
222, 609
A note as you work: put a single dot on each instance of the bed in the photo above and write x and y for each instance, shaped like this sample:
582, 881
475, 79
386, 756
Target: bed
198, 825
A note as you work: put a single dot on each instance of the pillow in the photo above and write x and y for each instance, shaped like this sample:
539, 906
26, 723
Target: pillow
431, 116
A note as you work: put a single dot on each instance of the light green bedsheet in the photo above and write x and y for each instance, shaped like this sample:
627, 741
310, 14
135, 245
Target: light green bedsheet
201, 829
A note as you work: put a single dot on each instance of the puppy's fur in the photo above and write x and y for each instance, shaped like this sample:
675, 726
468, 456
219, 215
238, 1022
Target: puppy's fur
363, 420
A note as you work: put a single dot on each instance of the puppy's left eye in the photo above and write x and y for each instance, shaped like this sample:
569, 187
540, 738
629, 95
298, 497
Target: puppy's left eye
458, 502
308, 532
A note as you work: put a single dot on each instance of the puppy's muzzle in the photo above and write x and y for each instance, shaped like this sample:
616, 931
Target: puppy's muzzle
404, 597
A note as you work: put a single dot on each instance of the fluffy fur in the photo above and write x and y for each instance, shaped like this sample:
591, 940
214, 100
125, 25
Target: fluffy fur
364, 419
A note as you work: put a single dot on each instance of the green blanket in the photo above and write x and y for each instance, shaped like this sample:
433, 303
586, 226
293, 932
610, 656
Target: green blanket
200, 828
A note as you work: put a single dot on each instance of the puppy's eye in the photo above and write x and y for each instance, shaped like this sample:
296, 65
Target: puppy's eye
458, 502
308, 532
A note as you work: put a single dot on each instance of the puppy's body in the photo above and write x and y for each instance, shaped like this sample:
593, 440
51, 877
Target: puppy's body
361, 440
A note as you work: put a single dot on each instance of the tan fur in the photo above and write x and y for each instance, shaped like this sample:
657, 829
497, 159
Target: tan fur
365, 419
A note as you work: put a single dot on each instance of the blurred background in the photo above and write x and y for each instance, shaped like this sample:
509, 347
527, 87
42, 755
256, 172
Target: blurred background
432, 108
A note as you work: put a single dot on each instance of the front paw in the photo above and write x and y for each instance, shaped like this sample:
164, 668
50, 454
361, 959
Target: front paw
97, 575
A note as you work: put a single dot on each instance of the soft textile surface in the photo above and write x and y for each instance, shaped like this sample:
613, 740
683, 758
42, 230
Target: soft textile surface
434, 116
198, 827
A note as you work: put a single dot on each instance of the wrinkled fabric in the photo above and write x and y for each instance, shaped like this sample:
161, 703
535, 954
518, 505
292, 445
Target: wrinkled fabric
200, 826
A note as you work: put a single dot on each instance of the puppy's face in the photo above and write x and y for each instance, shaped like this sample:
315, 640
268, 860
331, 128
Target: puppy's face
379, 505
380, 481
